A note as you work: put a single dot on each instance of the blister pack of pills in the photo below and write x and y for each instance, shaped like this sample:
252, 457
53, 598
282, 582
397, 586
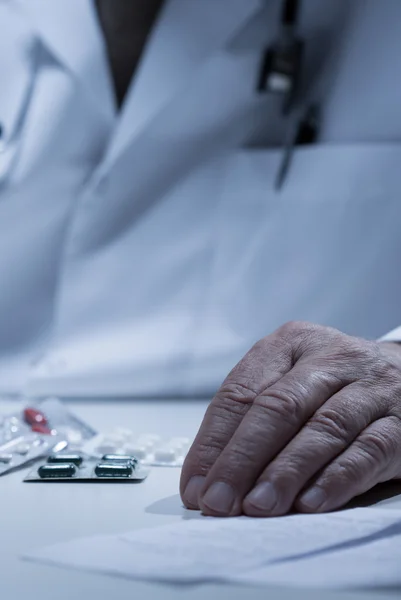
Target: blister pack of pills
38, 429
78, 467
150, 449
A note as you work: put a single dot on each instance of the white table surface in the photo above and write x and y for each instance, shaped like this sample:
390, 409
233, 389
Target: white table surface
33, 515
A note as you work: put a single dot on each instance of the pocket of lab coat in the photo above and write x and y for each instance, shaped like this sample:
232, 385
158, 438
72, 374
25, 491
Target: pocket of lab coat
18, 60
326, 248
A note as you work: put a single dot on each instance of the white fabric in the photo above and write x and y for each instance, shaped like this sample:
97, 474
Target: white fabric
247, 550
392, 336
144, 253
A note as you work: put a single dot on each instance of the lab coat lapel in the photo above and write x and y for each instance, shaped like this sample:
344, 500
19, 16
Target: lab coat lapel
187, 34
71, 32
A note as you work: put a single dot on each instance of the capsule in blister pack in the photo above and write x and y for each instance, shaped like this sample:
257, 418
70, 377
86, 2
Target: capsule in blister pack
67, 467
150, 449
37, 430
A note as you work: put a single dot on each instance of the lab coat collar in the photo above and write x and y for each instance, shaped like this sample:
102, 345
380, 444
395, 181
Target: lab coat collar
69, 29
187, 34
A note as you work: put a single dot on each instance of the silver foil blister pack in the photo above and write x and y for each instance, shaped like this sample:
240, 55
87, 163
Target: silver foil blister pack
78, 467
150, 449
38, 429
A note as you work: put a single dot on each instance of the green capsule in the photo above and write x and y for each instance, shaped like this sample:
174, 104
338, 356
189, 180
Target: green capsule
58, 459
59, 471
113, 470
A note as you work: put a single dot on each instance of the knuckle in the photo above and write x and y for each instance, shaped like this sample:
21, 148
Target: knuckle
371, 455
285, 404
387, 375
291, 328
305, 337
245, 454
284, 475
205, 452
378, 447
341, 475
233, 398
208, 450
237, 391
331, 423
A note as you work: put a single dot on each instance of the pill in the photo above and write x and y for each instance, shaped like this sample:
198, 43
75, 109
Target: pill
123, 432
179, 447
38, 442
73, 436
113, 470
149, 438
120, 458
166, 455
32, 416
183, 441
39, 428
115, 439
58, 459
22, 449
140, 452
106, 449
59, 447
149, 445
6, 458
56, 471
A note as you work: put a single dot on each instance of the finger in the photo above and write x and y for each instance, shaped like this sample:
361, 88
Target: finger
374, 457
331, 429
261, 367
274, 418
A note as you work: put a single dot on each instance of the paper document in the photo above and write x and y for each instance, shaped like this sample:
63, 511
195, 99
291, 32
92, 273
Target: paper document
233, 549
375, 564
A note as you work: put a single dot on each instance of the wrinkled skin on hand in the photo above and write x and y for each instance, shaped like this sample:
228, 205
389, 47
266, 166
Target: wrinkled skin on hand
307, 420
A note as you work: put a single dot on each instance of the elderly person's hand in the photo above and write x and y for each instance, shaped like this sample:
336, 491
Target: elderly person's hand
308, 419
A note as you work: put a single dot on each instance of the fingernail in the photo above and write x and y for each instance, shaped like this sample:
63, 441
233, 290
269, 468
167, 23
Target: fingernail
219, 498
192, 491
313, 498
263, 496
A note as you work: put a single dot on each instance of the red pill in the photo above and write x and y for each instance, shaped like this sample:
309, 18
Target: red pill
32, 416
38, 428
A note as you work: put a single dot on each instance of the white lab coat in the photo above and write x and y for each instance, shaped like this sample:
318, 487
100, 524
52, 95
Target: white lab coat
144, 253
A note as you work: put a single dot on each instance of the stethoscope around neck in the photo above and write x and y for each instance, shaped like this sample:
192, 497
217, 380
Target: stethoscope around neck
280, 74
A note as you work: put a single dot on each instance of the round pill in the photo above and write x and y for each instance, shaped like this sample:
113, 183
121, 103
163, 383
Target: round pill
149, 445
106, 448
177, 446
73, 436
6, 458
149, 438
183, 440
166, 455
115, 438
22, 449
124, 433
140, 452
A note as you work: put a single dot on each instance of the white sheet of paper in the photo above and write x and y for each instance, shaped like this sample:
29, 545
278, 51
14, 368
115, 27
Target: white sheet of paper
223, 549
375, 564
